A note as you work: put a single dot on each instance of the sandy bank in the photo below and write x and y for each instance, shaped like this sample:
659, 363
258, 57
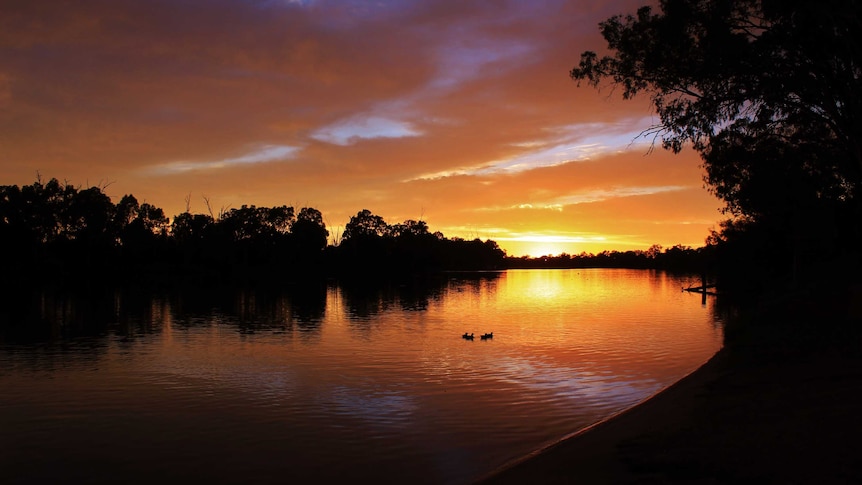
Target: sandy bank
757, 412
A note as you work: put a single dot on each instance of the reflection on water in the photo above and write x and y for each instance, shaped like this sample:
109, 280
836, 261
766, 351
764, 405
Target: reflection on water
326, 382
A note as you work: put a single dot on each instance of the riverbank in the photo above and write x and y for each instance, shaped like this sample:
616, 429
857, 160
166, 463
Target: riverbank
779, 404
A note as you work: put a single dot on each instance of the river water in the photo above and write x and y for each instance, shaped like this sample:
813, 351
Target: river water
330, 383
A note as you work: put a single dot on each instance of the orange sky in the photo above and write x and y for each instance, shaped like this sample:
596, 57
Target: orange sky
460, 113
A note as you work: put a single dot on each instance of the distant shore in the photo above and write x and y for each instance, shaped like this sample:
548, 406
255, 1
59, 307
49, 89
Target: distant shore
779, 404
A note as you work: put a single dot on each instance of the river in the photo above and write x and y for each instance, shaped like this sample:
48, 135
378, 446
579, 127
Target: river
328, 382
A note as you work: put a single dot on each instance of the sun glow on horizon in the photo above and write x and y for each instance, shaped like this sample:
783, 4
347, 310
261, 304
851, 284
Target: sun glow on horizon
469, 121
537, 245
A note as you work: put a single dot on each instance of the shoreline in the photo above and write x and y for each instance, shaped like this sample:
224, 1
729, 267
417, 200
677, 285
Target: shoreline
583, 456
565, 441
779, 403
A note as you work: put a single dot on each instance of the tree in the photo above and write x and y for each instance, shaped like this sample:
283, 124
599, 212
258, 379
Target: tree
89, 216
133, 221
410, 229
152, 218
126, 211
257, 223
768, 91
309, 231
191, 228
365, 225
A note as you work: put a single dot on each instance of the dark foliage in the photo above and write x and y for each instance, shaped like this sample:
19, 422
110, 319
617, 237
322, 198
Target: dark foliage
371, 246
770, 93
677, 258
58, 233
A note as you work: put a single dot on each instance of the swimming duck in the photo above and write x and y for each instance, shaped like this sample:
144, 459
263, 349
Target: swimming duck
467, 336
486, 336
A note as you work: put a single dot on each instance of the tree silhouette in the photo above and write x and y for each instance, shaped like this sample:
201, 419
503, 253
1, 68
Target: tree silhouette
365, 247
307, 242
256, 223
410, 228
768, 92
142, 230
740, 79
309, 232
365, 225
187, 227
56, 232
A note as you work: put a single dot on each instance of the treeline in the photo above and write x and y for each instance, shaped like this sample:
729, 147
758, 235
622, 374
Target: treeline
56, 231
676, 258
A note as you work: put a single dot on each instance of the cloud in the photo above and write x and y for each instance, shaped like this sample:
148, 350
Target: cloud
604, 194
558, 203
459, 61
463, 110
576, 237
561, 145
264, 154
354, 129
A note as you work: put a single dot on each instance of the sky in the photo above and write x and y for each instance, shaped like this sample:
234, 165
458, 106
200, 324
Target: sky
459, 113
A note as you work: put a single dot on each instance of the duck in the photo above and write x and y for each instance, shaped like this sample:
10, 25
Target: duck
486, 336
467, 336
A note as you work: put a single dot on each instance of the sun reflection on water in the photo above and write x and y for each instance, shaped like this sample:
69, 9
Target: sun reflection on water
358, 378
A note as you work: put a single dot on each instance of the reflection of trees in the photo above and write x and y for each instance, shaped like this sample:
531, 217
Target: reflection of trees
125, 314
366, 300
51, 316
61, 315
122, 316
417, 297
474, 283
285, 309
309, 305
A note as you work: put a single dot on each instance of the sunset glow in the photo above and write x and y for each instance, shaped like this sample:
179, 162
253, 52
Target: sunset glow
461, 114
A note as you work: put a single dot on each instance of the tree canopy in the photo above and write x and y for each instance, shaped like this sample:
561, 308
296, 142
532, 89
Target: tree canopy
69, 232
768, 91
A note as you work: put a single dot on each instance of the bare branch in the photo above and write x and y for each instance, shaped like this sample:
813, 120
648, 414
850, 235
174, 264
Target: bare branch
209, 207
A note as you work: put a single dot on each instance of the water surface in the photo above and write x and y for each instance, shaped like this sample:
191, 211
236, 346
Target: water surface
330, 382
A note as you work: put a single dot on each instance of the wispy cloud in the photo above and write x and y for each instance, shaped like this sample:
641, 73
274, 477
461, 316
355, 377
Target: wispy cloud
612, 193
264, 154
460, 60
558, 203
564, 144
356, 128
554, 238
469, 102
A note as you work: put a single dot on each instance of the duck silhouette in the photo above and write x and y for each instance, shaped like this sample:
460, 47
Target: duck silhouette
467, 336
486, 336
